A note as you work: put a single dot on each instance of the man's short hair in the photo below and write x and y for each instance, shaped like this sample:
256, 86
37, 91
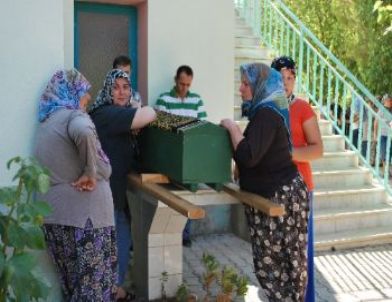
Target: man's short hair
186, 69
122, 60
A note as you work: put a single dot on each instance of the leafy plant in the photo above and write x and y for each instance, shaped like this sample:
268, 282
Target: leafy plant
242, 286
164, 278
211, 265
20, 232
182, 293
231, 283
228, 279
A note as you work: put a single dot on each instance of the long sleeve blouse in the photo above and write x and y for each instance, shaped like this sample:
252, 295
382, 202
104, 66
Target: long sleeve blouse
67, 144
263, 156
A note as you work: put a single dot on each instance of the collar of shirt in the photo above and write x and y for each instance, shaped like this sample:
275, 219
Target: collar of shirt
173, 93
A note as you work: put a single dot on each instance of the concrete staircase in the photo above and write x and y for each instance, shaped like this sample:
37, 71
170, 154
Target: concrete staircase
350, 209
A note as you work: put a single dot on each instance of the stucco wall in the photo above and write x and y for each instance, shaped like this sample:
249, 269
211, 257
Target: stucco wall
32, 47
37, 39
199, 33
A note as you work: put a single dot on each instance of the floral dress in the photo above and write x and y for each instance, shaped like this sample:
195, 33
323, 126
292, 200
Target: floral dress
279, 244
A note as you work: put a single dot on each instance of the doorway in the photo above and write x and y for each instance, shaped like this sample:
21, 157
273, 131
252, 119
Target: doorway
102, 32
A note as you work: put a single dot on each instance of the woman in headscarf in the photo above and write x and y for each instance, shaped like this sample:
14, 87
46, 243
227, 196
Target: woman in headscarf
80, 232
115, 119
263, 157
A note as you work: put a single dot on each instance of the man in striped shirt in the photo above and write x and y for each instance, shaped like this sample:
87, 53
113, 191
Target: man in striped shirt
180, 100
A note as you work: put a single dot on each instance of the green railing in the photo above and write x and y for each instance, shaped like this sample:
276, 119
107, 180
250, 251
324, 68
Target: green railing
341, 98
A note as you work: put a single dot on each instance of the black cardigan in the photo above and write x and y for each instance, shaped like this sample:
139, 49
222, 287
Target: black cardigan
263, 156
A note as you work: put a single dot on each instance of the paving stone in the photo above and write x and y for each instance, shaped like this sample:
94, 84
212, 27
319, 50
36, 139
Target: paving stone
192, 281
346, 298
363, 274
387, 292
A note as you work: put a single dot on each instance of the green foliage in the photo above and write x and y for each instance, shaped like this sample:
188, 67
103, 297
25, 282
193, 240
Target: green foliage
384, 15
242, 286
20, 232
211, 266
182, 293
228, 279
355, 34
231, 282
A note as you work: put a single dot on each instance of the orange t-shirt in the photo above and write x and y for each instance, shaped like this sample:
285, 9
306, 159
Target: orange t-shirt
300, 111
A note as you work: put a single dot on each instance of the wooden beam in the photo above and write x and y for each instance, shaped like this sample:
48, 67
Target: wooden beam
154, 178
255, 201
175, 202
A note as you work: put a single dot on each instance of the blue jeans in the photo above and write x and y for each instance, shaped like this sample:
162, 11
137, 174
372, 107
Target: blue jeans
310, 291
186, 234
124, 243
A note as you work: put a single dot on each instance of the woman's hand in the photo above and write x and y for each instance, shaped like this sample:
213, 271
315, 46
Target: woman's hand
228, 124
234, 131
85, 183
143, 117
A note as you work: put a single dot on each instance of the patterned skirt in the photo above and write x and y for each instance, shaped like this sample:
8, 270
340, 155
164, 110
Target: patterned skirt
279, 244
86, 259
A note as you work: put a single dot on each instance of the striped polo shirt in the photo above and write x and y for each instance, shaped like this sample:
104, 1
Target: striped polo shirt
191, 105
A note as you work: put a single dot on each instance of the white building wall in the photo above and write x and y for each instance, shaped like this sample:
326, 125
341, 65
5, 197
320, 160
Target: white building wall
199, 33
32, 48
37, 39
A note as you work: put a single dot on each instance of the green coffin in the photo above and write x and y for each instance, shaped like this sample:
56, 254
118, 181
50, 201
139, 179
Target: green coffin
196, 153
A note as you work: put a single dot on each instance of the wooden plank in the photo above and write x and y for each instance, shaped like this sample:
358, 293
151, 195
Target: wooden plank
254, 200
154, 178
175, 202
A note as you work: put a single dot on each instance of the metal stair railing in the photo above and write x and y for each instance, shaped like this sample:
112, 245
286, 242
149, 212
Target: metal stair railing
341, 98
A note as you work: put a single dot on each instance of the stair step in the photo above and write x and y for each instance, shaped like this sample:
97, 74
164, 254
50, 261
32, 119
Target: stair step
243, 31
252, 53
242, 123
335, 161
352, 178
316, 110
237, 113
240, 61
354, 238
237, 83
237, 75
238, 16
251, 47
346, 199
325, 127
239, 22
237, 99
246, 40
333, 143
336, 221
